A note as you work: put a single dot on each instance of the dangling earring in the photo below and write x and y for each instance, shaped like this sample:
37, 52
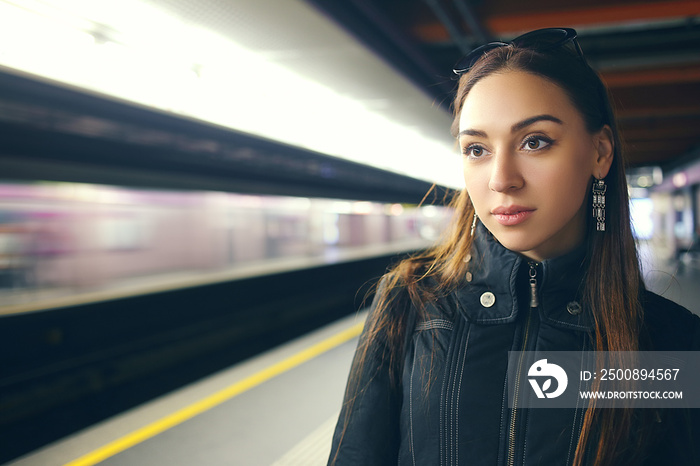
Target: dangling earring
476, 217
599, 189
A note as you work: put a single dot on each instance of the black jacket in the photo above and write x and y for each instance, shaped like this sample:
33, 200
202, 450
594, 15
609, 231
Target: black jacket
451, 407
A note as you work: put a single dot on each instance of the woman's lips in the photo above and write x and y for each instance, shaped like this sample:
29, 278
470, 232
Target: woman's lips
512, 215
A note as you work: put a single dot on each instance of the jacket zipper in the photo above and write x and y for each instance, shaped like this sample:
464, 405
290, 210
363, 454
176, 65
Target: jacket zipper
534, 302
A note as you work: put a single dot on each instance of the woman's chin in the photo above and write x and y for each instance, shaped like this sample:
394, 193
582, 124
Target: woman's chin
514, 238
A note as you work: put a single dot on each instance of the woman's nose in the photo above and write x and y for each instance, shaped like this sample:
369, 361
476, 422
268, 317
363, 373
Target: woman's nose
505, 174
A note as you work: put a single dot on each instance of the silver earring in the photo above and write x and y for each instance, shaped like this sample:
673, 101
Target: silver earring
476, 217
599, 189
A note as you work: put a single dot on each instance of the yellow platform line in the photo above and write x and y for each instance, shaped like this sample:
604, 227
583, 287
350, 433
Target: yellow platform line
178, 417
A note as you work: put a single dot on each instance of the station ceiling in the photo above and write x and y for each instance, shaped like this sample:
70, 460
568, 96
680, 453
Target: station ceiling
648, 53
386, 63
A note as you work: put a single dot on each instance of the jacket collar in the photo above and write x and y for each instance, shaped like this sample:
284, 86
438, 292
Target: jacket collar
504, 273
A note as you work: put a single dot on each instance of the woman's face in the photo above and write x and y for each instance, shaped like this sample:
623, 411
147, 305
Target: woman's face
528, 162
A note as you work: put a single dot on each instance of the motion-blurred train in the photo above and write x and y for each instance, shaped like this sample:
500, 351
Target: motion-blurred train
66, 238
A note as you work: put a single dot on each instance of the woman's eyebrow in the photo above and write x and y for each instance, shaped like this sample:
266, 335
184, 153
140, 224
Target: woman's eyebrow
472, 132
528, 121
516, 127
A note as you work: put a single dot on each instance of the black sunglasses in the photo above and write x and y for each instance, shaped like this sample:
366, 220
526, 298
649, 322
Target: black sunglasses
540, 40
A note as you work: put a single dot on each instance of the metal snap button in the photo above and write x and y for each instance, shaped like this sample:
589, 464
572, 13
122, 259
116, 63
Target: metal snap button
487, 299
468, 276
468, 258
574, 308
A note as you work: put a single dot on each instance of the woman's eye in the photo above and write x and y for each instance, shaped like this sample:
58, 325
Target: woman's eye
536, 143
474, 151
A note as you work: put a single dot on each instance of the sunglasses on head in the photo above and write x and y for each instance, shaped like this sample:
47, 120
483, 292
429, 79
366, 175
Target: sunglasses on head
540, 40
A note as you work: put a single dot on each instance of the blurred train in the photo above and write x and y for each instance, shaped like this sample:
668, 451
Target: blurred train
59, 239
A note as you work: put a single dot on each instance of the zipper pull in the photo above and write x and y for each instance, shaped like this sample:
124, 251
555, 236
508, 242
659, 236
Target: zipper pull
534, 302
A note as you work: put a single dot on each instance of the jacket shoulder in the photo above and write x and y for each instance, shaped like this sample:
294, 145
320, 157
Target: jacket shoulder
671, 326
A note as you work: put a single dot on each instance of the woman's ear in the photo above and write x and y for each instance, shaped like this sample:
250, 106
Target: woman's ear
605, 148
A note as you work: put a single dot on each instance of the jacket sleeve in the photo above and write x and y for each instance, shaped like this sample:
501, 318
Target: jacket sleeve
674, 328
367, 432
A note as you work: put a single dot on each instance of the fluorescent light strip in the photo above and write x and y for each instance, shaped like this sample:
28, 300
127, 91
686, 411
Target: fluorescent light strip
135, 52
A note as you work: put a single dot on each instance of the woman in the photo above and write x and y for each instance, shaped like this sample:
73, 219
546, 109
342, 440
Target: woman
540, 257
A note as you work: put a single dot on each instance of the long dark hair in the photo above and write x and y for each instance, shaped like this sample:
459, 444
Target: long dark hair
613, 282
